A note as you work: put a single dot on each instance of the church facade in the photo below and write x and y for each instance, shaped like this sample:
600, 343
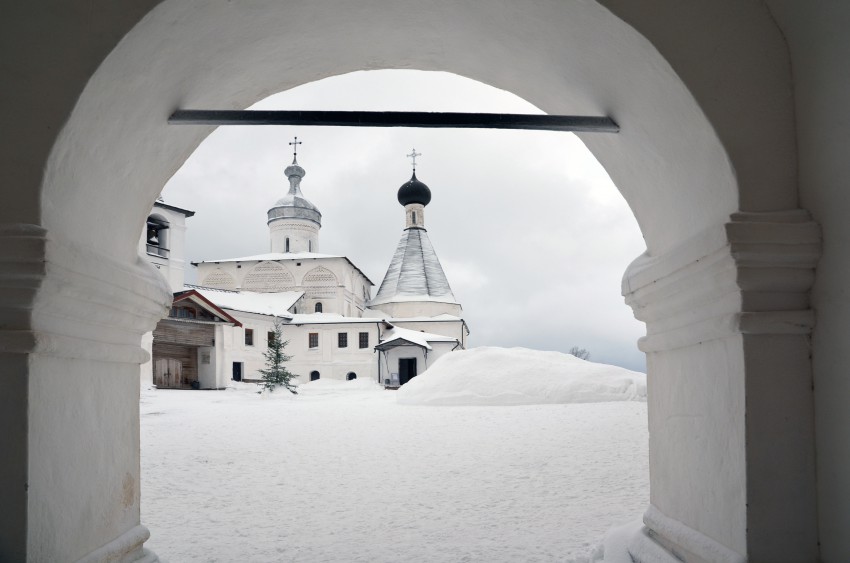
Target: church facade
334, 327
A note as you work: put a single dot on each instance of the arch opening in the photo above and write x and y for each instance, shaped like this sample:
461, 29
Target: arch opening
669, 162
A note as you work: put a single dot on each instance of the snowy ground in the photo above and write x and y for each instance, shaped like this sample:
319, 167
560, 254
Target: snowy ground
344, 473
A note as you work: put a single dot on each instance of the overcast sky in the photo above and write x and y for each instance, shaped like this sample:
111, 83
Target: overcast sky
533, 235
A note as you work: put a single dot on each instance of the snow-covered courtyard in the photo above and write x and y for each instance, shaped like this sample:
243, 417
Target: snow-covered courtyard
343, 472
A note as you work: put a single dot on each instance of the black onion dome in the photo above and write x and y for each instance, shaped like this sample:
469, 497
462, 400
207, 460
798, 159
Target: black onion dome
414, 191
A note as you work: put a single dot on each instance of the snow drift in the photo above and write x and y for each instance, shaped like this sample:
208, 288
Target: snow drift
519, 376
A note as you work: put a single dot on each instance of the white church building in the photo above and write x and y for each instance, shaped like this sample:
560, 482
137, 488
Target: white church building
219, 330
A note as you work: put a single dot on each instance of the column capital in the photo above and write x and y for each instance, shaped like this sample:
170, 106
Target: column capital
751, 275
65, 301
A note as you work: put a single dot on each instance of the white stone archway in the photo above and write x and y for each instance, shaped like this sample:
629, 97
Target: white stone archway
705, 159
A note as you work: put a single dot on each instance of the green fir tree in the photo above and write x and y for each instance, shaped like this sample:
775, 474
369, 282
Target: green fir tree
275, 373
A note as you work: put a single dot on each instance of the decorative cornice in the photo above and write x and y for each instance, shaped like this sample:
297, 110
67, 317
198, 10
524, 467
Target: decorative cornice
751, 275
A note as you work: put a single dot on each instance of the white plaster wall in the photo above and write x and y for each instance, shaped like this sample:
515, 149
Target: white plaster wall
207, 371
331, 361
223, 375
696, 413
409, 211
820, 46
146, 369
410, 309
84, 442
173, 267
303, 235
298, 269
328, 359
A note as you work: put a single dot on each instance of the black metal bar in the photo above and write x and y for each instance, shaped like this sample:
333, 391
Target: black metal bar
396, 119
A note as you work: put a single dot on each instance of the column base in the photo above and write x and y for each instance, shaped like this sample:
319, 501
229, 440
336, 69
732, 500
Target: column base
126, 548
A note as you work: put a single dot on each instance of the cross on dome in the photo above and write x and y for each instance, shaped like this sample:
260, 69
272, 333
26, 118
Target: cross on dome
295, 144
412, 156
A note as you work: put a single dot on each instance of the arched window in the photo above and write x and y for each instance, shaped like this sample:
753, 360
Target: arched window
351, 375
309, 246
314, 375
287, 245
414, 217
318, 307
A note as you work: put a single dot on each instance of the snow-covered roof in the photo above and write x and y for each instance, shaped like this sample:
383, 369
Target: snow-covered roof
445, 317
415, 273
275, 256
275, 304
331, 318
413, 336
197, 298
285, 256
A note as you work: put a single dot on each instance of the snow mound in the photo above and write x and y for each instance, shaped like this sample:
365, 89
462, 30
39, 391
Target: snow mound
519, 376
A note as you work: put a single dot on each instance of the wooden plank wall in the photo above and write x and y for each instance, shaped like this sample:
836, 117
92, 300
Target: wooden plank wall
180, 340
187, 355
185, 333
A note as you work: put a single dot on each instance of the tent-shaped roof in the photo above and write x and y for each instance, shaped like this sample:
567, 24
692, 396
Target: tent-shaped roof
415, 273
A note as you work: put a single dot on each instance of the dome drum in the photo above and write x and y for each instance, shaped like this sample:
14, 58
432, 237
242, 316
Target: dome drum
294, 211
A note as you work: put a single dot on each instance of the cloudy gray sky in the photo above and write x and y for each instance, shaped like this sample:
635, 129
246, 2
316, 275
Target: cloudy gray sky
533, 235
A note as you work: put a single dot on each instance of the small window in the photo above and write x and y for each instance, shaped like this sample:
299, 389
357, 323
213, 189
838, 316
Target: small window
287, 245
318, 307
364, 339
270, 338
414, 217
249, 337
351, 375
342, 339
309, 246
313, 339
173, 312
314, 375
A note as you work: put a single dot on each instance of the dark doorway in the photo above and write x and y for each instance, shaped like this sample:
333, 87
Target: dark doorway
406, 370
314, 375
237, 371
351, 375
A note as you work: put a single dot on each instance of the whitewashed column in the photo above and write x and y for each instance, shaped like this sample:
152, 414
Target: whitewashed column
732, 471
71, 323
